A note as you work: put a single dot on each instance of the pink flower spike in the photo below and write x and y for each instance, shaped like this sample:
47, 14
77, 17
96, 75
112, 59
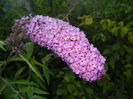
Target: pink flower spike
68, 42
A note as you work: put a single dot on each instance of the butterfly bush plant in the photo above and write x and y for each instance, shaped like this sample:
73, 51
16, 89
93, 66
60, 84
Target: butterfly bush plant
66, 41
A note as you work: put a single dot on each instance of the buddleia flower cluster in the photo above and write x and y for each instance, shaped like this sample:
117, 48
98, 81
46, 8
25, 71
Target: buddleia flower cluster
66, 41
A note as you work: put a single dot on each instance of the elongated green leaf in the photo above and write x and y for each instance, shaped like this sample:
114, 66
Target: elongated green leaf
29, 50
38, 91
14, 96
19, 71
2, 88
33, 90
46, 73
36, 62
38, 97
29, 92
38, 81
16, 58
24, 82
33, 67
47, 58
2, 63
2, 45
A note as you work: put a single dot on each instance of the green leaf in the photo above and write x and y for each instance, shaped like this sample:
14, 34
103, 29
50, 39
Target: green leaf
14, 96
71, 88
106, 76
19, 71
67, 79
124, 31
2, 63
86, 20
24, 82
29, 92
130, 37
121, 24
37, 80
47, 58
33, 67
36, 62
2, 88
102, 21
116, 56
128, 66
2, 45
104, 26
33, 90
103, 37
61, 91
115, 31
109, 23
29, 50
38, 97
129, 24
107, 86
39, 91
16, 58
107, 51
112, 63
46, 73
128, 73
89, 91
116, 46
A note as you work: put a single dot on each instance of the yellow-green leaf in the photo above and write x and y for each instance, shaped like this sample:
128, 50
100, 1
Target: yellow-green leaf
121, 24
85, 20
130, 37
124, 31
115, 31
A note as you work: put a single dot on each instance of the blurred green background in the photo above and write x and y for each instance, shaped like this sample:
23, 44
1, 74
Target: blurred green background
40, 74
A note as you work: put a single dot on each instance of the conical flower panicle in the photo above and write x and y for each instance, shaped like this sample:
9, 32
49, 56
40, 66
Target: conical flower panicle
69, 43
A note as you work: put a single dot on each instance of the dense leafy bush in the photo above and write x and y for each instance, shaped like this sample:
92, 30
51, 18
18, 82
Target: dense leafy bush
39, 74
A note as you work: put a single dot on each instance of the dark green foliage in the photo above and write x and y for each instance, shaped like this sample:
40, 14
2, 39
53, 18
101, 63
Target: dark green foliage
39, 74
